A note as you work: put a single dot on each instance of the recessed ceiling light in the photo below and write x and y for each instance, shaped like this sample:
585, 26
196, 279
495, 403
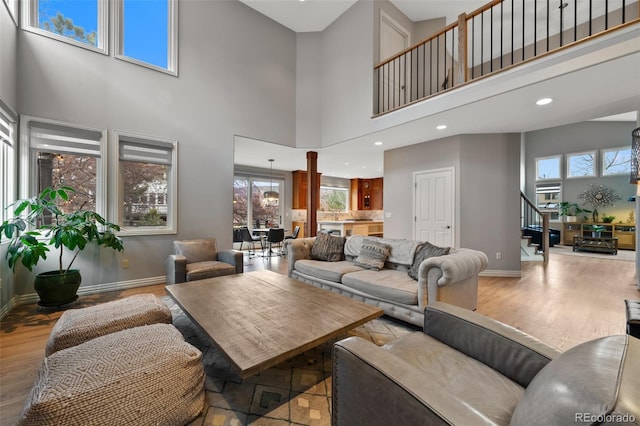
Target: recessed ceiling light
346, 164
364, 167
544, 101
378, 143
441, 126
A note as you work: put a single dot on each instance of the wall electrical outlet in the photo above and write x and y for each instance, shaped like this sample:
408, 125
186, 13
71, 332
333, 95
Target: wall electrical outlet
125, 263
498, 255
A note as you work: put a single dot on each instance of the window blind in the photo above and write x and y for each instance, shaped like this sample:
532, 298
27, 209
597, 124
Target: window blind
142, 151
46, 137
5, 128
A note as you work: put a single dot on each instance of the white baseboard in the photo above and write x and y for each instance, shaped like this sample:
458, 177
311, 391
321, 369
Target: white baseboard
94, 289
500, 273
8, 307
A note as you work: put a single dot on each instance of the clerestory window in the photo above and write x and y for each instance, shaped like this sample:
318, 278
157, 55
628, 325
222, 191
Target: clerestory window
81, 23
8, 159
147, 33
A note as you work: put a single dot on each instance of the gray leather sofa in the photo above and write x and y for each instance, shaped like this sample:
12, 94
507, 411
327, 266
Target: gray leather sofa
452, 278
467, 369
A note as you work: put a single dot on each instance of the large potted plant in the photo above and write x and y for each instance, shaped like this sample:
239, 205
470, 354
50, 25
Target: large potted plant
571, 211
39, 223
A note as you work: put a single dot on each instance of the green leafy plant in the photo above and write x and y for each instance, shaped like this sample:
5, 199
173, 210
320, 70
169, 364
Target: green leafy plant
608, 219
52, 227
571, 209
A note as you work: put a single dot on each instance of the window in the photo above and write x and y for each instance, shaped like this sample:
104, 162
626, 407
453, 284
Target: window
8, 160
548, 168
616, 161
581, 164
548, 199
81, 23
64, 154
147, 185
334, 199
260, 212
147, 33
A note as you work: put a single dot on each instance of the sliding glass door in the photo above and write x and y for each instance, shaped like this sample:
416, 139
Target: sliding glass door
257, 202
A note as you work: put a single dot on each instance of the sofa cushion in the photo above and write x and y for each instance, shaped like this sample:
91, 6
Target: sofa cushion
583, 380
401, 252
209, 269
328, 247
198, 250
386, 284
469, 380
372, 255
426, 251
328, 271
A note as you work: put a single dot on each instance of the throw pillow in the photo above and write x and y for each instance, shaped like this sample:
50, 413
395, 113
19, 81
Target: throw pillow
426, 251
328, 248
372, 255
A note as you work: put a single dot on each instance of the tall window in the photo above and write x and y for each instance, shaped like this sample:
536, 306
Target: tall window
147, 32
12, 6
82, 23
581, 164
147, 185
616, 161
8, 160
64, 154
251, 208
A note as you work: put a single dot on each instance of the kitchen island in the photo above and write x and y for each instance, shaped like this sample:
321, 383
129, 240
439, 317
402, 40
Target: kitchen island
346, 228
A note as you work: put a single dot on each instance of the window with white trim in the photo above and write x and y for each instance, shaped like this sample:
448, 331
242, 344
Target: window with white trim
581, 164
81, 23
334, 199
8, 161
65, 154
147, 184
147, 33
616, 161
548, 167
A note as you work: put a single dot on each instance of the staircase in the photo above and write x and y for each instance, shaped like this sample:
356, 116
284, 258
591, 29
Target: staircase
532, 218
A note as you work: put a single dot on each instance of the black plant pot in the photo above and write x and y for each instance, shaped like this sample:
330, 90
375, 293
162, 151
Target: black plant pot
56, 289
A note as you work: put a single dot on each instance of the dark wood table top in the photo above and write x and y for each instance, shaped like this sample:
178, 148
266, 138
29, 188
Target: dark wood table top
260, 319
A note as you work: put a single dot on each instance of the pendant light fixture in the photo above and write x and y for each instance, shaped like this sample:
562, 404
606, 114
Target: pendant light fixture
271, 195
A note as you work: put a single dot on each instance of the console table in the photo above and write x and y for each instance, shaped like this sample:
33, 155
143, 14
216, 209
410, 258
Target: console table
607, 245
624, 232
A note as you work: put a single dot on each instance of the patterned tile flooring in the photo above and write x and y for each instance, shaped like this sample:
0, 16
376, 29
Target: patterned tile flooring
296, 392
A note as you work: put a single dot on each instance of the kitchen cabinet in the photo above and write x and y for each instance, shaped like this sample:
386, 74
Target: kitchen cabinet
302, 225
366, 194
300, 189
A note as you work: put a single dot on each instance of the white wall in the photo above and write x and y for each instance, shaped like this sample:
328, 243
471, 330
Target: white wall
309, 64
487, 192
231, 82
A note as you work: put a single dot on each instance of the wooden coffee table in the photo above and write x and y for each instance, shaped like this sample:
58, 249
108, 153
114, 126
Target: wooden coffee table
259, 319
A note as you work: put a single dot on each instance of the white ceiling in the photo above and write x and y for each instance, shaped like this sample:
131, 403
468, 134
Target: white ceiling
512, 110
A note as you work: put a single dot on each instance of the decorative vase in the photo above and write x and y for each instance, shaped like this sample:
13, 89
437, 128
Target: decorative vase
596, 216
57, 289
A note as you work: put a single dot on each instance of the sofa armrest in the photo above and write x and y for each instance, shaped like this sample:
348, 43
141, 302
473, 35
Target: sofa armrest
232, 257
461, 266
508, 350
372, 386
300, 248
175, 269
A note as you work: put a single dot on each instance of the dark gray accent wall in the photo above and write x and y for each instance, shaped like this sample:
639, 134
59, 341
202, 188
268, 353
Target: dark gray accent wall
487, 192
580, 137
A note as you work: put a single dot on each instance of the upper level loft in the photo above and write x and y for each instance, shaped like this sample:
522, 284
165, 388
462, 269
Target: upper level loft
499, 36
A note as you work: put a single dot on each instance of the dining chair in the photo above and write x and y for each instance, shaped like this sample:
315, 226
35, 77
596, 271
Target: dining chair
275, 236
252, 240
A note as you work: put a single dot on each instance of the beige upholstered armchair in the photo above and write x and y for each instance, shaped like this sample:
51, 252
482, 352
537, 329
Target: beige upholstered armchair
199, 259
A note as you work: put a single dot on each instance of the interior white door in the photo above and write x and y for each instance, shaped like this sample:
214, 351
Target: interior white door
393, 39
434, 206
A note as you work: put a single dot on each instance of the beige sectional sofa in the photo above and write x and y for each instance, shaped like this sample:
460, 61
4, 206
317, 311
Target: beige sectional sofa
452, 278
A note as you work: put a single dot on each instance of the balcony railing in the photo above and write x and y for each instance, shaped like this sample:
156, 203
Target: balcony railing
497, 36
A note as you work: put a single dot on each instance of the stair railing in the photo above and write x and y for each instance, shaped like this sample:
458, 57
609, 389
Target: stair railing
531, 216
495, 37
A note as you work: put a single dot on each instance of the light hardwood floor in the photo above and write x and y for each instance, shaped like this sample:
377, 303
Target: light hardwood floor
571, 300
